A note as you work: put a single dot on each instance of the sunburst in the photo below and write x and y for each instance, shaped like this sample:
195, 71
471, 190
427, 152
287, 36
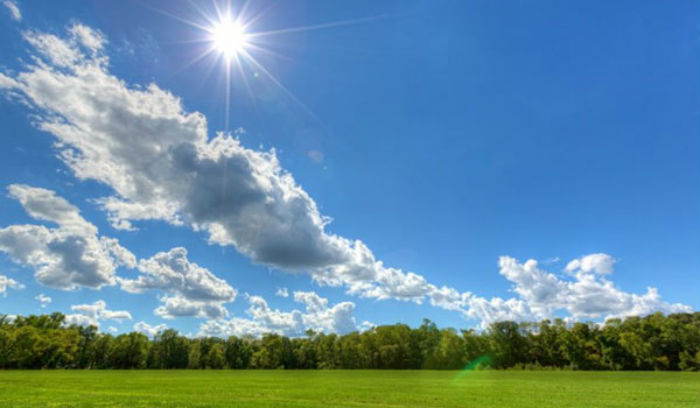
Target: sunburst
230, 38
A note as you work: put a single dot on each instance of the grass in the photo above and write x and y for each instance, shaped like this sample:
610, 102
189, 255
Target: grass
347, 389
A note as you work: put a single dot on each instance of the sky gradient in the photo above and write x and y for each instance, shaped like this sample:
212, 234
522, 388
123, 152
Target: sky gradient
370, 163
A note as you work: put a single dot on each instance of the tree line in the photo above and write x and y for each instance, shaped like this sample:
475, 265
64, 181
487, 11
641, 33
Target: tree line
654, 342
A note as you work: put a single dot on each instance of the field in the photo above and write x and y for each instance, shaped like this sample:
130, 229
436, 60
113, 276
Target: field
347, 389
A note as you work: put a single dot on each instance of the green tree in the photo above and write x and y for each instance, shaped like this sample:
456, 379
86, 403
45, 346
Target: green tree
216, 357
129, 351
507, 344
238, 352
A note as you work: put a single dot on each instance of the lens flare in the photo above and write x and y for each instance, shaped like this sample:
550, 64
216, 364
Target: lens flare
473, 365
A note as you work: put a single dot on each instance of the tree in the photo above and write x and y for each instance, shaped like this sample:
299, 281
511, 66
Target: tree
216, 357
450, 352
194, 359
238, 352
170, 350
653, 342
129, 351
507, 345
580, 347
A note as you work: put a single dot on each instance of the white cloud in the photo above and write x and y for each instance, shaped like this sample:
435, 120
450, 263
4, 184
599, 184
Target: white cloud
180, 306
73, 255
588, 295
148, 330
540, 290
45, 205
68, 256
80, 320
7, 82
43, 299
8, 283
197, 291
173, 272
317, 316
13, 9
161, 165
598, 263
92, 314
366, 325
282, 292
87, 37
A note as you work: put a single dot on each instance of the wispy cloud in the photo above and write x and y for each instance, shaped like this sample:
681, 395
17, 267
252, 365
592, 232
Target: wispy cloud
8, 283
43, 299
15, 13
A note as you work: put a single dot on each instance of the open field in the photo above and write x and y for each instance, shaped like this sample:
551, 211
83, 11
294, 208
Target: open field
347, 389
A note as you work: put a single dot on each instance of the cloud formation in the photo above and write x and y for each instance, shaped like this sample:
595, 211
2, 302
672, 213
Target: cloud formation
585, 295
317, 316
69, 256
148, 330
8, 283
12, 7
43, 299
601, 264
161, 164
92, 314
195, 291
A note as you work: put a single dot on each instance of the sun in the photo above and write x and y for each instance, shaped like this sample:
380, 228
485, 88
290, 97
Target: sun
229, 37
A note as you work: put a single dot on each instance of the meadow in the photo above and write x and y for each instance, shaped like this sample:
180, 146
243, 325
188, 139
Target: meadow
346, 388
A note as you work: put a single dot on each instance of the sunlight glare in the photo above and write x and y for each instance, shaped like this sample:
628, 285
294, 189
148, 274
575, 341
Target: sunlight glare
229, 37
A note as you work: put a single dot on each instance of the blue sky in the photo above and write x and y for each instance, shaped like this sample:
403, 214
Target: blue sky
479, 161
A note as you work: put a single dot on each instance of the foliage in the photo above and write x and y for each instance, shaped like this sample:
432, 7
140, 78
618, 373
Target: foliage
654, 342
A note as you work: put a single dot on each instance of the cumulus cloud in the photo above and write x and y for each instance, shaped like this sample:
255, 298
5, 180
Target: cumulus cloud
148, 330
68, 256
585, 295
161, 164
179, 306
74, 255
195, 290
12, 7
8, 283
317, 315
92, 314
282, 292
172, 271
594, 263
43, 299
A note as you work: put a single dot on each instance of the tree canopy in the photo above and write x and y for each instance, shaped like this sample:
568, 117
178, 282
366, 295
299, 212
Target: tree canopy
654, 342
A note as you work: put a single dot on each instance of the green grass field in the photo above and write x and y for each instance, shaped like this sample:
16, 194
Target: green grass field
347, 389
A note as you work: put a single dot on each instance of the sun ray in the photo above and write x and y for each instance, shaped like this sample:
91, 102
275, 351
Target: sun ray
279, 84
228, 32
318, 26
190, 23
